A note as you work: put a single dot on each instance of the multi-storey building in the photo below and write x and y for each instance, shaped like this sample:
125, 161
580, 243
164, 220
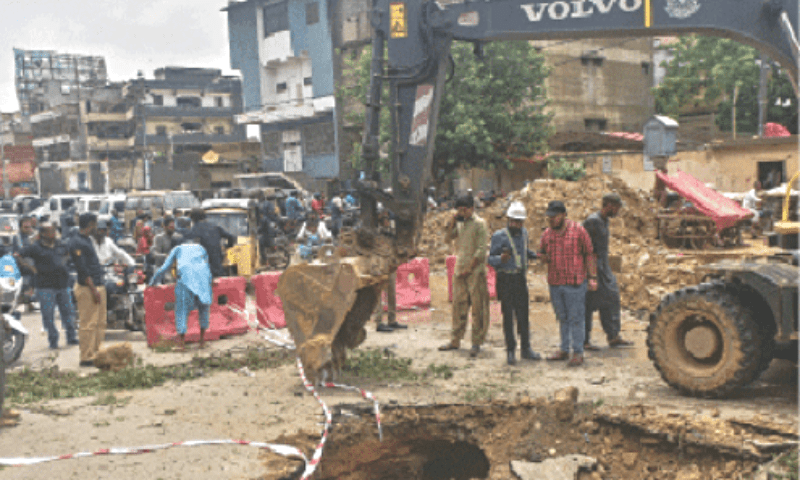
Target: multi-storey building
288, 52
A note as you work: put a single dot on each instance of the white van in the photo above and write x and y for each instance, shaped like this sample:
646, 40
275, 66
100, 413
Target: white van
111, 202
52, 209
91, 203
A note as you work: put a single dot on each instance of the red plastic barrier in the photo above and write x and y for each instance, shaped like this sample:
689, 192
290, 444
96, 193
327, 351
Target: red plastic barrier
412, 285
491, 278
160, 323
269, 308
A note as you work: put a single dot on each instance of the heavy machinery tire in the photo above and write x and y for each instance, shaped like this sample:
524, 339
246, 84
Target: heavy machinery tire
704, 342
13, 343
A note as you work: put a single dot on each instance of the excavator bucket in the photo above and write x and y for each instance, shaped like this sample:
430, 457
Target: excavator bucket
326, 307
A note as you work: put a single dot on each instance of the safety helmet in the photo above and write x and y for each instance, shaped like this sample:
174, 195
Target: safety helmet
517, 211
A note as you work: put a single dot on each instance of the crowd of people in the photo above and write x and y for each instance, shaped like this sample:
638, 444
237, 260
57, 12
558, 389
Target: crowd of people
578, 274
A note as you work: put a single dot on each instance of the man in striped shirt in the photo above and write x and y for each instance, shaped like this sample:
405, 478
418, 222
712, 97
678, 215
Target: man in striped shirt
567, 249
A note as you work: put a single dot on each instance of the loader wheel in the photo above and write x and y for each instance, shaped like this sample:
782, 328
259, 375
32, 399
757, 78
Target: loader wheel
704, 342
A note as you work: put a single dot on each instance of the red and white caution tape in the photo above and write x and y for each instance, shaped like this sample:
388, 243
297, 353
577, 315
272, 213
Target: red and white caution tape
284, 450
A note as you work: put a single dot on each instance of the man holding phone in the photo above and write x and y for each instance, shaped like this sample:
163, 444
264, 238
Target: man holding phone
509, 255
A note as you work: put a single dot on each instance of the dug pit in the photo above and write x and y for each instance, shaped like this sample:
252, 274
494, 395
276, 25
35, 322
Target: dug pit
481, 442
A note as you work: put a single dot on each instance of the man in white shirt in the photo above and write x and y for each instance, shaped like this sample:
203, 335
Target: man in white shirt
322, 231
107, 251
751, 201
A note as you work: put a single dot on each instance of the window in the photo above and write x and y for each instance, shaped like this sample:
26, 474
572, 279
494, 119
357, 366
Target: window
158, 100
276, 18
219, 130
307, 81
189, 102
161, 130
591, 60
220, 102
192, 127
595, 124
281, 87
312, 13
646, 68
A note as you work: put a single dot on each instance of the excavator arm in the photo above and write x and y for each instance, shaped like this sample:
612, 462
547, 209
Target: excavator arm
327, 304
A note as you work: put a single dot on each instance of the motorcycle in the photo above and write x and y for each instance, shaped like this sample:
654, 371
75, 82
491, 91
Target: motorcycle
124, 301
14, 333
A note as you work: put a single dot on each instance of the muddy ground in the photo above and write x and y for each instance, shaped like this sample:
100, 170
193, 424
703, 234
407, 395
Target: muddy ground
486, 408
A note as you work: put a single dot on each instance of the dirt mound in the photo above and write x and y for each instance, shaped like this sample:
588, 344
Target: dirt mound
647, 269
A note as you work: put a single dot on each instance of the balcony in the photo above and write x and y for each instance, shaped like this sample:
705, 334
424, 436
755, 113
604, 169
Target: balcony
190, 138
97, 143
185, 112
109, 117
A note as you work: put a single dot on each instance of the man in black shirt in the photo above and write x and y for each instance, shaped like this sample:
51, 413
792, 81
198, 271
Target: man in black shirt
210, 236
90, 292
50, 263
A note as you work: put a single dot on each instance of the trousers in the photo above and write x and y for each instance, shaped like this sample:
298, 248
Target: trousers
185, 302
609, 315
512, 291
472, 291
92, 328
569, 303
49, 298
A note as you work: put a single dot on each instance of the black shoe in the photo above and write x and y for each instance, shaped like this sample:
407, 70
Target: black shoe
474, 351
87, 363
511, 359
73, 342
529, 354
382, 327
398, 326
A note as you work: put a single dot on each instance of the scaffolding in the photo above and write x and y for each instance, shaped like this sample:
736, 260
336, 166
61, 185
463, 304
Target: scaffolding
33, 69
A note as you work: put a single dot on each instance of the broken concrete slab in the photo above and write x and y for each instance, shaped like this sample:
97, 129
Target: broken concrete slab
561, 468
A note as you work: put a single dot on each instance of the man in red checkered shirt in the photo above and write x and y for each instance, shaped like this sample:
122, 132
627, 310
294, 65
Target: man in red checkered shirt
567, 249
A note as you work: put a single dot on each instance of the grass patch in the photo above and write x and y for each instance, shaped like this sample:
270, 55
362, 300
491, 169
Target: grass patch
482, 393
111, 400
385, 366
29, 386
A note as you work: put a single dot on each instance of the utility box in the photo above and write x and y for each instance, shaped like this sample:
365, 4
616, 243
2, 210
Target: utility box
660, 137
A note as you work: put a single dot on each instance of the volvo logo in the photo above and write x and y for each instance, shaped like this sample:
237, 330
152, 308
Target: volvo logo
682, 8
562, 10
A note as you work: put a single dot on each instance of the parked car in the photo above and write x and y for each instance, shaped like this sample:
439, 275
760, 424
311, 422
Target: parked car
52, 209
90, 203
179, 202
151, 201
24, 204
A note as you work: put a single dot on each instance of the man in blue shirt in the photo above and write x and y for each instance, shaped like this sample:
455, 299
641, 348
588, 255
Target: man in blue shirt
294, 209
90, 292
509, 255
193, 289
117, 230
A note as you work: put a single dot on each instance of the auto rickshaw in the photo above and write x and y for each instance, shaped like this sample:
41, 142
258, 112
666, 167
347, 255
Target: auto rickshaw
239, 217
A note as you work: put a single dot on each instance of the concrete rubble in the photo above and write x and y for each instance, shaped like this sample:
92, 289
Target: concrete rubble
561, 468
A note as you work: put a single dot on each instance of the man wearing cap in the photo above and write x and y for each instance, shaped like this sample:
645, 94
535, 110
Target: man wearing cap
606, 298
193, 289
49, 257
567, 250
509, 255
469, 280
90, 292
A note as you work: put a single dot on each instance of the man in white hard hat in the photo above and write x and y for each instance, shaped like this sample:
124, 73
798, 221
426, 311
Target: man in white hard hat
509, 255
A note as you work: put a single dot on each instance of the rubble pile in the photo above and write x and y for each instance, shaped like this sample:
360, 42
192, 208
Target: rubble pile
646, 268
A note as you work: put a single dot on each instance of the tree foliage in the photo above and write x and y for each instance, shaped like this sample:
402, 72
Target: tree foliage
492, 109
704, 73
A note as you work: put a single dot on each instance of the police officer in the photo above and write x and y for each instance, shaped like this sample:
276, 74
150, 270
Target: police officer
90, 292
509, 255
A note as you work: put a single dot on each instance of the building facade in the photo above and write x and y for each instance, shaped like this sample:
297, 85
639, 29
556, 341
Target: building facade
289, 54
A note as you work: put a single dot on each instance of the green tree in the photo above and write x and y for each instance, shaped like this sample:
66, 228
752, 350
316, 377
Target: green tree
705, 71
492, 110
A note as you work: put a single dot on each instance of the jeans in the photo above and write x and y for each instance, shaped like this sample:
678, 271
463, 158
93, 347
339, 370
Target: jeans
49, 298
569, 303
